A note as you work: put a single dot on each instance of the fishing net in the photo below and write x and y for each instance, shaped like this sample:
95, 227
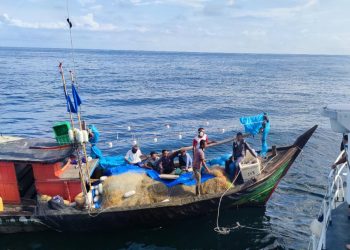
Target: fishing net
149, 191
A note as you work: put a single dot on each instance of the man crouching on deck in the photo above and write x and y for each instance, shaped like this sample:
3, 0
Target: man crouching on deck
198, 163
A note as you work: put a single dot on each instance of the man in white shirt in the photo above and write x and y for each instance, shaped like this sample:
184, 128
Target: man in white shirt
133, 156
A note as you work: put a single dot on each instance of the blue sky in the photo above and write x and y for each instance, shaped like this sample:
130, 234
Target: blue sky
253, 26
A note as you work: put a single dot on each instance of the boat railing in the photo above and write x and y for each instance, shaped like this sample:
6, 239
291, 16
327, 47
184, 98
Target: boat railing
335, 193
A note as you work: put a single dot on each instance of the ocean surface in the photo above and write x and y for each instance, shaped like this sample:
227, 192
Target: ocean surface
156, 98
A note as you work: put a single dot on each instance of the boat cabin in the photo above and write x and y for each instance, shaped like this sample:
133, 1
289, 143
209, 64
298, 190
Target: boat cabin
36, 166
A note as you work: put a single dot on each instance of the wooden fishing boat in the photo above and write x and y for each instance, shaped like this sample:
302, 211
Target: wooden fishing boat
27, 214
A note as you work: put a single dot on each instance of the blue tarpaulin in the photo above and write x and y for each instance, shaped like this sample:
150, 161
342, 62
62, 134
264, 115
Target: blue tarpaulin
252, 124
115, 165
96, 137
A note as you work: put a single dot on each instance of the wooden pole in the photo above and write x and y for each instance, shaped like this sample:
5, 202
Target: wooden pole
87, 168
187, 148
81, 174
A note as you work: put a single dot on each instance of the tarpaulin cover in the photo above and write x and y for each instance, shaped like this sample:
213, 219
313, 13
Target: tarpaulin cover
252, 124
264, 146
96, 133
96, 153
115, 165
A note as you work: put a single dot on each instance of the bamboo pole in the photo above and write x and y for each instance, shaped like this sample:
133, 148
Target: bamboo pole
65, 92
87, 168
81, 174
187, 148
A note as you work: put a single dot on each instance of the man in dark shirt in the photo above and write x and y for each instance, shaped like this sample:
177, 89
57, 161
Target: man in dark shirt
166, 162
239, 148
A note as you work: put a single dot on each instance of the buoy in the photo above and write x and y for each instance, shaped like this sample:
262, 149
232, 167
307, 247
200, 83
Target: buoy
89, 198
129, 128
85, 136
100, 188
1, 205
71, 135
103, 178
96, 198
168, 126
110, 144
129, 194
78, 135
316, 227
155, 139
180, 136
96, 206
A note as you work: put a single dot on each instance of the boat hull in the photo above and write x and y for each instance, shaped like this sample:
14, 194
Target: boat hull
252, 193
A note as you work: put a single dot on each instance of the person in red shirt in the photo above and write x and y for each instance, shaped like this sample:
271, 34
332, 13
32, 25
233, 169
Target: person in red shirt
201, 136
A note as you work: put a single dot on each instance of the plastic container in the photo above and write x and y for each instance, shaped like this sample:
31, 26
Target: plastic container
61, 131
250, 170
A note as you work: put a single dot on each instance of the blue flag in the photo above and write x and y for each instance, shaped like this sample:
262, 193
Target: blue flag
70, 106
76, 97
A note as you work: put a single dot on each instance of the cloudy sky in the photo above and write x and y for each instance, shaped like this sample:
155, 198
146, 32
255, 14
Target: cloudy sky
262, 26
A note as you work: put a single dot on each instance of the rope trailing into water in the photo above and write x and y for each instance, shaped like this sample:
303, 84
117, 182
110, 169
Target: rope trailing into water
227, 230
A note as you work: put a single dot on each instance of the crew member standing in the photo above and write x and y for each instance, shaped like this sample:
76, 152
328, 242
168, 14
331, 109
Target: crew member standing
198, 163
202, 136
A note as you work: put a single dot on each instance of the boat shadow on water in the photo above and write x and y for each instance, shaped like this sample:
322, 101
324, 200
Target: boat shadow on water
191, 233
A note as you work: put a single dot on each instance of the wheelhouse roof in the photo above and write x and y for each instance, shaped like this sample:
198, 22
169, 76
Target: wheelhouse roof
34, 150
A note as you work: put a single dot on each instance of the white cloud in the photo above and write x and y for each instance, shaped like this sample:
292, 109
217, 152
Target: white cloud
277, 12
189, 3
5, 18
86, 22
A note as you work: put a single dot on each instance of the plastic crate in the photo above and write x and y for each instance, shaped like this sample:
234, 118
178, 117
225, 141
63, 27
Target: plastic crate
61, 132
61, 128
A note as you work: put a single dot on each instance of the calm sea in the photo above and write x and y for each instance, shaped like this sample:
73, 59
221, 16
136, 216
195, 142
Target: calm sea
158, 97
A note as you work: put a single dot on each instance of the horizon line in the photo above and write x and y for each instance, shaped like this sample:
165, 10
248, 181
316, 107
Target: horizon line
174, 51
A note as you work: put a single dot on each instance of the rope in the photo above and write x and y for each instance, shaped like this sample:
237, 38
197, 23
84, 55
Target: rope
74, 78
225, 230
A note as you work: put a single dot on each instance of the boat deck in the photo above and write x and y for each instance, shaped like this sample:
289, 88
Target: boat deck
72, 171
338, 232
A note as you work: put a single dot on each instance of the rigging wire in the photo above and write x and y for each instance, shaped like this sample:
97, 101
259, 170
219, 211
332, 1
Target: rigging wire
74, 78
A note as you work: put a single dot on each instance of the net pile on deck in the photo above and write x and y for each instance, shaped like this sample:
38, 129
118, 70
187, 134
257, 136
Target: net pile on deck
149, 191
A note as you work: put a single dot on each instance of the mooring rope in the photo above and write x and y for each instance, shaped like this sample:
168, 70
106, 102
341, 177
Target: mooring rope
225, 230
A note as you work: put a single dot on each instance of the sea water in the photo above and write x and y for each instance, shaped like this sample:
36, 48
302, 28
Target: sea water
159, 99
